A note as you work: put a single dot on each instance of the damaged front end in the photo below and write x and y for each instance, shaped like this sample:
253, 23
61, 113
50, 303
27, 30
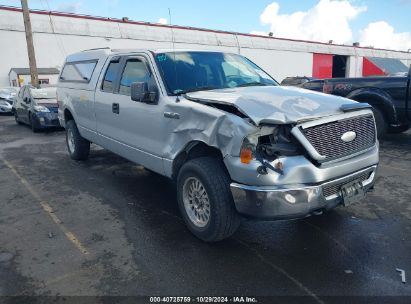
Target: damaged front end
284, 150
268, 145
276, 177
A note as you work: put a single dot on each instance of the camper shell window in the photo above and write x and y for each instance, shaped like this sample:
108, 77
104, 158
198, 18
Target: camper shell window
79, 71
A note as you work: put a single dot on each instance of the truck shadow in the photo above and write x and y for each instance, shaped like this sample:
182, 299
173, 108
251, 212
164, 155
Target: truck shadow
398, 140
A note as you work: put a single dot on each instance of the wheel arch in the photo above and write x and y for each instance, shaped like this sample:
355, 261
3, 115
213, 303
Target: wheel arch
194, 149
68, 115
379, 99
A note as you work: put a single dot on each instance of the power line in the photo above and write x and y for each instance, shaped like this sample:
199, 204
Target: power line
60, 43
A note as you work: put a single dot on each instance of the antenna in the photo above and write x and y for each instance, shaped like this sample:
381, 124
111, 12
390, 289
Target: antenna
172, 30
174, 51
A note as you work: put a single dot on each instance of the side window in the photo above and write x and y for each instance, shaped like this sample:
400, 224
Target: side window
110, 76
134, 71
80, 71
44, 81
26, 93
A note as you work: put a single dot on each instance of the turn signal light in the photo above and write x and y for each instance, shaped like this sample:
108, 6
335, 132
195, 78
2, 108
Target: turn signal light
246, 155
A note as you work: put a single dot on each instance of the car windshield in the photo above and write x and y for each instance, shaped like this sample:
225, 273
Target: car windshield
44, 93
196, 71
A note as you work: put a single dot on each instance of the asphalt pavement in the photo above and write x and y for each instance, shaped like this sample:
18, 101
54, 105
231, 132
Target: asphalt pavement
108, 227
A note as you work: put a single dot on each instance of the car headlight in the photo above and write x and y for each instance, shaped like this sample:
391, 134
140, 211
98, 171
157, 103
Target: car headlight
248, 149
270, 146
41, 109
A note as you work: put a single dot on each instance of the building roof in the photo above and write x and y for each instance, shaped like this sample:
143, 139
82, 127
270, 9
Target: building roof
40, 71
389, 65
127, 21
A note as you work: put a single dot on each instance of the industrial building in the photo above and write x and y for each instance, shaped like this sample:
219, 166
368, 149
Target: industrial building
19, 76
58, 34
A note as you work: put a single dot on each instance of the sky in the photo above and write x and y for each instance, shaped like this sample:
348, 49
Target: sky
377, 23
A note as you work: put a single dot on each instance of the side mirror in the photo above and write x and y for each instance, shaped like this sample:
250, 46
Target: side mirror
141, 93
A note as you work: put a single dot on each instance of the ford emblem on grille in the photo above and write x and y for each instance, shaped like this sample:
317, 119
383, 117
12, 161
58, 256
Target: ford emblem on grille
348, 136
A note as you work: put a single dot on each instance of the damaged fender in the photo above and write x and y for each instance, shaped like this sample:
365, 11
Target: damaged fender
202, 123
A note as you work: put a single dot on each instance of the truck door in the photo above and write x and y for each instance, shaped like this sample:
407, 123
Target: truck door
25, 105
129, 128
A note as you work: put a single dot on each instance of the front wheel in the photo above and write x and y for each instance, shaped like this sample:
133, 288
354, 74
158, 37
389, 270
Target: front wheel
78, 147
34, 125
380, 123
205, 199
16, 118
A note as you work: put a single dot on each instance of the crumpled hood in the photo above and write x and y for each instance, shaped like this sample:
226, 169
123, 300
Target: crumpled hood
275, 104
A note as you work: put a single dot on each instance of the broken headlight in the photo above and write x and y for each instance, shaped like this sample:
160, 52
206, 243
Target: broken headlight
279, 143
248, 149
270, 144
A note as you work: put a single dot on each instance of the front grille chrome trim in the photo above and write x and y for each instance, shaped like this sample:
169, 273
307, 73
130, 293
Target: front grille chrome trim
306, 144
324, 126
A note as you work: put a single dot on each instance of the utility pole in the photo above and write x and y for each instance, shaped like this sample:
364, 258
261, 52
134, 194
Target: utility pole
30, 46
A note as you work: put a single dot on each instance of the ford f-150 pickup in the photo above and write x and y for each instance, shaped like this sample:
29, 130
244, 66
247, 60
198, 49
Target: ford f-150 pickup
235, 143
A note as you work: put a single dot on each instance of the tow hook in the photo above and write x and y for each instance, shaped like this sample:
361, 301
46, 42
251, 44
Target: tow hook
263, 169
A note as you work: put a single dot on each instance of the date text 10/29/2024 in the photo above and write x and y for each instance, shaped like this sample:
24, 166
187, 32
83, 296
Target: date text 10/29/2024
203, 300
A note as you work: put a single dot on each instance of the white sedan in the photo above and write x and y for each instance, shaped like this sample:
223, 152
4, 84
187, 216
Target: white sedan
7, 96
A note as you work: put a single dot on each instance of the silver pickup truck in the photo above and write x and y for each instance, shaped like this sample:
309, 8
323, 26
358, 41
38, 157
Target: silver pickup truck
235, 143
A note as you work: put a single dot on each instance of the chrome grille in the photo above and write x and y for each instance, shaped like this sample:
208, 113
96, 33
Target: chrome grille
329, 190
326, 138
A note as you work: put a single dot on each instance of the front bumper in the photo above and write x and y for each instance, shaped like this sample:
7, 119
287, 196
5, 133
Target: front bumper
5, 108
296, 201
47, 119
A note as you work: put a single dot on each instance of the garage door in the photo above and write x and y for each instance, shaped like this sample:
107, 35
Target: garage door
322, 66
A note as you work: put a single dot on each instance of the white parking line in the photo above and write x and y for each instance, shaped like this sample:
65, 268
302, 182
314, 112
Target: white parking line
49, 210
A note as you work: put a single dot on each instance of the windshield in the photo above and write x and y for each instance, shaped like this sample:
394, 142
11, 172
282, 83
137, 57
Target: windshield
44, 93
194, 71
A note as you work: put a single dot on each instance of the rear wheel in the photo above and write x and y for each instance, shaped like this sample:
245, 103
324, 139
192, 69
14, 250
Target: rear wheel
380, 123
205, 199
78, 147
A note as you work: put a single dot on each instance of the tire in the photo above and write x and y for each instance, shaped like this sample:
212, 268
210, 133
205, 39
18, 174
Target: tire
398, 130
222, 220
16, 118
380, 123
33, 124
77, 146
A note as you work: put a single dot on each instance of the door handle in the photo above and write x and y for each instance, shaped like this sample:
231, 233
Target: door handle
172, 115
116, 108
